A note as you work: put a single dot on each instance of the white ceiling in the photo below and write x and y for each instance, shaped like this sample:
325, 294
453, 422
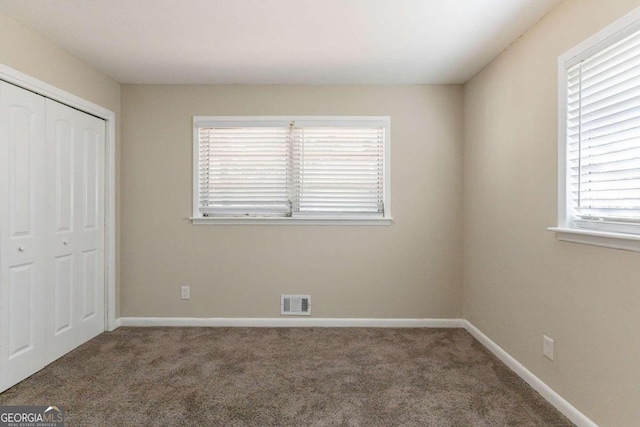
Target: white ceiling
282, 41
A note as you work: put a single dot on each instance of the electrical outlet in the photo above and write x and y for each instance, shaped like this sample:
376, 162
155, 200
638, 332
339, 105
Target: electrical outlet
185, 292
547, 347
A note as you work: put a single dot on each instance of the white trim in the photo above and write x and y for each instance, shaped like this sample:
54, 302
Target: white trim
18, 78
110, 224
213, 121
289, 221
276, 322
562, 405
195, 178
629, 242
616, 227
562, 144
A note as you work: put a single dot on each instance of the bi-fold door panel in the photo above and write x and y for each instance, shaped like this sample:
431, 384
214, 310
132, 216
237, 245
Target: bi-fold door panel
91, 226
62, 171
23, 271
76, 158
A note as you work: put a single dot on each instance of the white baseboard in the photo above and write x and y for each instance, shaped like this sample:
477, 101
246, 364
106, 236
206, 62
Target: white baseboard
569, 411
116, 324
273, 322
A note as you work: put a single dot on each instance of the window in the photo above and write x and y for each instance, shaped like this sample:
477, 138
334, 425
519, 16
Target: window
599, 138
291, 170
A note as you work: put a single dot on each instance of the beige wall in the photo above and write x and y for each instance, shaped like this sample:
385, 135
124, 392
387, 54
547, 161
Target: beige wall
411, 269
519, 281
30, 53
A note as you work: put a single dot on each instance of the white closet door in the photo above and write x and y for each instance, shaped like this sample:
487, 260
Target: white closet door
75, 189
63, 174
90, 225
23, 259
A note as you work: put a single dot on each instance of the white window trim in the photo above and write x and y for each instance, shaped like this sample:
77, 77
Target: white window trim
591, 233
216, 121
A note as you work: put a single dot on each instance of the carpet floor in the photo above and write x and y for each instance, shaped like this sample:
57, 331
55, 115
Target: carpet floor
285, 377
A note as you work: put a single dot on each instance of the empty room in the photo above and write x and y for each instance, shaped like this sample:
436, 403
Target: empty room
320, 213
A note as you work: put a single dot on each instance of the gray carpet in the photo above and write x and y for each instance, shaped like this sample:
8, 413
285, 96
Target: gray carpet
285, 377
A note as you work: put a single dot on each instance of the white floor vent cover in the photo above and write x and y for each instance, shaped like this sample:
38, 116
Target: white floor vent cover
295, 305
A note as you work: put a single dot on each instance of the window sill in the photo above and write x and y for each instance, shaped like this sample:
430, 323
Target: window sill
290, 221
628, 242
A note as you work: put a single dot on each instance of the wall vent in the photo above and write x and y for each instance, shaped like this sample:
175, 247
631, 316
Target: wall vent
295, 305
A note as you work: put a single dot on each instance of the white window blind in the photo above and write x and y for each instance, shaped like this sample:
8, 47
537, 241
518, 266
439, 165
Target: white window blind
338, 171
603, 134
314, 168
244, 171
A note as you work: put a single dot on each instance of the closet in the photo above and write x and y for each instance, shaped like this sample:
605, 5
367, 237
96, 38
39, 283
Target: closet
52, 259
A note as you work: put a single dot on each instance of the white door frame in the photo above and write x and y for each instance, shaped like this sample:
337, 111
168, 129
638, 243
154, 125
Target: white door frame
18, 78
